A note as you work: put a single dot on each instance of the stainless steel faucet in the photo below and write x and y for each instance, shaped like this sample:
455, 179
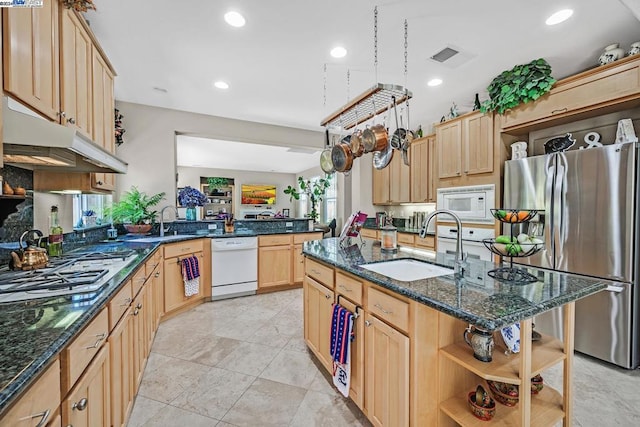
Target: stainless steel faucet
162, 229
459, 263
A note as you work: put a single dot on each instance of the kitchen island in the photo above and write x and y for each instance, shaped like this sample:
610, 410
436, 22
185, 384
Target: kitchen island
418, 368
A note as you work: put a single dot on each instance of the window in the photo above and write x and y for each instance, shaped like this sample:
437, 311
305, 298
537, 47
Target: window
328, 208
90, 202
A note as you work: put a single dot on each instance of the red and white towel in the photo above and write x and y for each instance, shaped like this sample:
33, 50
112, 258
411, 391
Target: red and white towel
191, 276
341, 337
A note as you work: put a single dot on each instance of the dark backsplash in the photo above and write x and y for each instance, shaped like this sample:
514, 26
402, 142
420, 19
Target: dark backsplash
20, 214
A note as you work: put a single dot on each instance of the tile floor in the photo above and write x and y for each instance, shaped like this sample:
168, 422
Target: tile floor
243, 362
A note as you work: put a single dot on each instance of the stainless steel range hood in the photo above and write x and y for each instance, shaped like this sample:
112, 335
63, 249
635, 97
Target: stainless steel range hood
32, 142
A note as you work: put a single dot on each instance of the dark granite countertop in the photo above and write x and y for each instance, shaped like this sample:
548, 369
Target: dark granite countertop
401, 230
475, 298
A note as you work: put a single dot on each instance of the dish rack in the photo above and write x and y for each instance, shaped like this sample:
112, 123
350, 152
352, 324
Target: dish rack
514, 249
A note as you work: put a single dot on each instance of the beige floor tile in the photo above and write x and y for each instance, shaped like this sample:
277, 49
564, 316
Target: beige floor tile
143, 410
323, 383
235, 329
259, 315
170, 416
296, 343
321, 410
291, 367
224, 424
214, 393
266, 403
271, 335
166, 380
249, 358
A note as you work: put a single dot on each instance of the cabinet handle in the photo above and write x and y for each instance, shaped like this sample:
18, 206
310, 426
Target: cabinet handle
61, 114
127, 302
314, 271
327, 296
560, 110
157, 274
81, 405
376, 305
99, 183
71, 120
136, 311
44, 416
344, 287
367, 323
97, 343
139, 306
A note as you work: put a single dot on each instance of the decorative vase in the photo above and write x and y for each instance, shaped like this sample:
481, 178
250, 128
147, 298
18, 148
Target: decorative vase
611, 53
191, 214
635, 49
138, 228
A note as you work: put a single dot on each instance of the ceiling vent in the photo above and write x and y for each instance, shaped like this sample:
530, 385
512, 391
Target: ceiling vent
451, 57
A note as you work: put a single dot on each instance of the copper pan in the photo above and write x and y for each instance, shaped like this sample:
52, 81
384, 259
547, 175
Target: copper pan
375, 138
357, 147
342, 157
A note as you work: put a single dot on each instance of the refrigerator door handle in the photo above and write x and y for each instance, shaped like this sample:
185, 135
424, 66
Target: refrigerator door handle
559, 211
549, 220
616, 289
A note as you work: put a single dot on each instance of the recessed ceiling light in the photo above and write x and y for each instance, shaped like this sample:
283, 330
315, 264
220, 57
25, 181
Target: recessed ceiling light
234, 19
221, 85
559, 16
338, 52
434, 82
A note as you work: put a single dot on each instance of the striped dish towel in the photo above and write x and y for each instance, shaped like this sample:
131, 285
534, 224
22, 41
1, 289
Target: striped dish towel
191, 276
341, 337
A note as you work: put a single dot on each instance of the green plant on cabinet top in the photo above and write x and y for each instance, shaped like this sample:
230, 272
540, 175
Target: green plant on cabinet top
135, 207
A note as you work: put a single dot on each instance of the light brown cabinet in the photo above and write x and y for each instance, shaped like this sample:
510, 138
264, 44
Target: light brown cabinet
31, 57
392, 184
174, 297
89, 403
280, 260
380, 194
423, 161
464, 149
121, 365
318, 309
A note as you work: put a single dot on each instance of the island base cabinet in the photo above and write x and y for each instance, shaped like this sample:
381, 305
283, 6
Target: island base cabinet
356, 388
318, 310
121, 363
387, 373
88, 403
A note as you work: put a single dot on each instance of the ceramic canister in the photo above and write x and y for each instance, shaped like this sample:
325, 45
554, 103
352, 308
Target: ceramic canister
611, 53
635, 49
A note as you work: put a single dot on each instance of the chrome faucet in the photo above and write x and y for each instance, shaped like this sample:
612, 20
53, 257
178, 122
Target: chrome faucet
459, 263
162, 229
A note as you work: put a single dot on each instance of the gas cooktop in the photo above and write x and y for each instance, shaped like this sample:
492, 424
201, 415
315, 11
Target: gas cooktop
73, 273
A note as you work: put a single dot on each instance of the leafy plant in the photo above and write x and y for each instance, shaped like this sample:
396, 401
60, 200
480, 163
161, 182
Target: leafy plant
190, 197
521, 84
135, 207
215, 182
79, 5
315, 191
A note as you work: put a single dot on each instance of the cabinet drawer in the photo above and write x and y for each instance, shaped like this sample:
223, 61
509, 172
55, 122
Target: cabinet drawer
119, 304
429, 242
388, 308
349, 287
150, 266
183, 248
406, 239
299, 238
368, 233
275, 240
39, 403
79, 353
320, 272
138, 280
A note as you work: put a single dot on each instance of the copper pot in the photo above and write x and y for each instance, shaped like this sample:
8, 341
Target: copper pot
342, 157
375, 138
357, 147
32, 256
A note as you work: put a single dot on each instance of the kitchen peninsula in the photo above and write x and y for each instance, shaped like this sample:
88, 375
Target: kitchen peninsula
409, 335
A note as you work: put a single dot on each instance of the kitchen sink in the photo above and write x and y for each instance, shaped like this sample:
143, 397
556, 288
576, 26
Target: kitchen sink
155, 239
407, 270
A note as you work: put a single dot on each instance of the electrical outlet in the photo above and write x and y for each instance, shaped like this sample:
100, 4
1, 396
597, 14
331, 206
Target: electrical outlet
288, 224
212, 226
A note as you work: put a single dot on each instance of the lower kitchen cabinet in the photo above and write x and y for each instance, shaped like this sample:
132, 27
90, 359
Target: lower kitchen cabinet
174, 297
280, 260
89, 402
318, 310
387, 373
140, 335
39, 404
121, 362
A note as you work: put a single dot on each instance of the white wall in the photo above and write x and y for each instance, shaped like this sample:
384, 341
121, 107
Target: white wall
42, 203
191, 176
149, 142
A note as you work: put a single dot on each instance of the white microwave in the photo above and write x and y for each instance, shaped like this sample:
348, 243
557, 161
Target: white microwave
472, 204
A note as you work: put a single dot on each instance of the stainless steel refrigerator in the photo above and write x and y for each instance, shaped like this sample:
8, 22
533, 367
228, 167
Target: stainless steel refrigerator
589, 223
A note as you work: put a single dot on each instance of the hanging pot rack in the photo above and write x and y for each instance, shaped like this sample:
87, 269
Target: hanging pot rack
367, 105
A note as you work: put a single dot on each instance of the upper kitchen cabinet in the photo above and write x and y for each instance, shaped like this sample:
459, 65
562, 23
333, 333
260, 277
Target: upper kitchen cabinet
392, 184
103, 102
582, 95
31, 57
75, 73
465, 150
423, 171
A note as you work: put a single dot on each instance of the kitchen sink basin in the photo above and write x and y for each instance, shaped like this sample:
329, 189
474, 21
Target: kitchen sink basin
155, 239
407, 270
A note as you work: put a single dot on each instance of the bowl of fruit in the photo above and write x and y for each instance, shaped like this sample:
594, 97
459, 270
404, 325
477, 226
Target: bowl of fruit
514, 216
521, 246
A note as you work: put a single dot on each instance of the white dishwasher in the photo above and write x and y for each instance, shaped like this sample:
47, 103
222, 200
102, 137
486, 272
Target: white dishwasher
234, 267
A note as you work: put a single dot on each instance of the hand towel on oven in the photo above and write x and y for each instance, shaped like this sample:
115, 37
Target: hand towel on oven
191, 276
341, 336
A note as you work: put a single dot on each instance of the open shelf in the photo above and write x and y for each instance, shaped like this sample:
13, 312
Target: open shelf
546, 410
504, 367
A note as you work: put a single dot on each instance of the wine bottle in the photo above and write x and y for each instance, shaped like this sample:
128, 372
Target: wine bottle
55, 233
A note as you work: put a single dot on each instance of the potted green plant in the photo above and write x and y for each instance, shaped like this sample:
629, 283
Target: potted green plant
216, 183
134, 210
522, 84
315, 192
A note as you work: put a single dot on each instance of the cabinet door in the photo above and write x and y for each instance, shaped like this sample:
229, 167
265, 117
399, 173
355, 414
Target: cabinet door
419, 170
31, 59
89, 403
158, 292
274, 266
103, 103
399, 180
432, 170
174, 284
449, 139
380, 179
477, 136
318, 302
75, 74
298, 264
103, 181
387, 367
139, 339
39, 403
356, 387
121, 362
